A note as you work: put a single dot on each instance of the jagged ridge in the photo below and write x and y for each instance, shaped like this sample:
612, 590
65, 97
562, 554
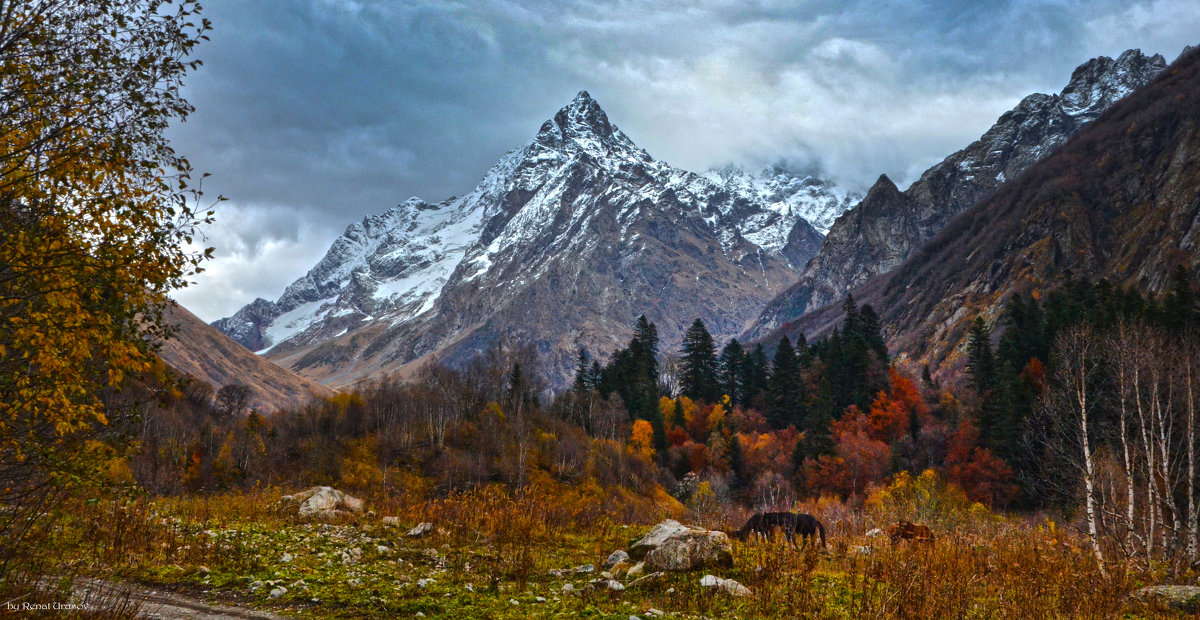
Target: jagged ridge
883, 230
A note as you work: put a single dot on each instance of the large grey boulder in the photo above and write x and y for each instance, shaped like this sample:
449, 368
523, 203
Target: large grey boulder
671, 546
654, 539
323, 502
1176, 598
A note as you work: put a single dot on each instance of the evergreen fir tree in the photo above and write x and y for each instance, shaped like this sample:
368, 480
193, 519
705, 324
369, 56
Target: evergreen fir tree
872, 330
980, 361
729, 371
737, 462
785, 395
699, 374
754, 375
595, 376
582, 370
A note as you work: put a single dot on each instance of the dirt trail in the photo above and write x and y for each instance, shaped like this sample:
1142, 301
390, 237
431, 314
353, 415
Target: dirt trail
166, 605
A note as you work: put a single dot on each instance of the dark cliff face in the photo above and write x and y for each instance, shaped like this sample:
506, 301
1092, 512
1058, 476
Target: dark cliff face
1119, 201
564, 243
877, 235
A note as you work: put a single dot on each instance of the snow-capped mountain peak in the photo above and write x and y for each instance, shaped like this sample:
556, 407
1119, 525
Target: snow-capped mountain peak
579, 196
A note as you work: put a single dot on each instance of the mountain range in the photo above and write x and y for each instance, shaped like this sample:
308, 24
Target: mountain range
569, 238
1120, 201
888, 225
563, 244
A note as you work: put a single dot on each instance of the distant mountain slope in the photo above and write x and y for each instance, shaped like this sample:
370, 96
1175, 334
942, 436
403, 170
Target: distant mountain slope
203, 353
562, 244
888, 225
1120, 200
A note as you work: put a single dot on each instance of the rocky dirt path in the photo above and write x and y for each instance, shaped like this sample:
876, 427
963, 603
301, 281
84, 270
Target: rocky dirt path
164, 604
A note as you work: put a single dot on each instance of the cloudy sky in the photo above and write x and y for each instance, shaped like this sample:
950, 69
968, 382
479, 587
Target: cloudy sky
314, 113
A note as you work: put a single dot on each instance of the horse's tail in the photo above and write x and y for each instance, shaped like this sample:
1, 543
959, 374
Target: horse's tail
821, 529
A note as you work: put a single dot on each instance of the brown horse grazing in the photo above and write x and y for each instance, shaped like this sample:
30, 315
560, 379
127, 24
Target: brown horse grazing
764, 524
907, 530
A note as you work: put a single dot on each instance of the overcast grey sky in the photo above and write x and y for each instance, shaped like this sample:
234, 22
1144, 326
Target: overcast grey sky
313, 113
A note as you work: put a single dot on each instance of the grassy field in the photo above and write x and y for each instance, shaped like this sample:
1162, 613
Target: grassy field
492, 556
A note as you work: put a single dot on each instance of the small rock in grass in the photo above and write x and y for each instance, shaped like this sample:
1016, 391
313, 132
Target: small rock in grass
1185, 599
568, 588
728, 585
540, 599
383, 549
391, 520
875, 532
287, 557
513, 601
421, 529
421, 583
616, 557
635, 571
606, 584
470, 588
278, 592
420, 614
670, 590
654, 613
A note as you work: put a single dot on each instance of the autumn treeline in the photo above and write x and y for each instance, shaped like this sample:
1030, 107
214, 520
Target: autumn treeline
443, 431
764, 427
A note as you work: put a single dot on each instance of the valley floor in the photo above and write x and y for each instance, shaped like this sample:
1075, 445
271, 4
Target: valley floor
495, 556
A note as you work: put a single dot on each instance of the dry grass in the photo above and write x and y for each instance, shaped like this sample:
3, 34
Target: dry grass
981, 565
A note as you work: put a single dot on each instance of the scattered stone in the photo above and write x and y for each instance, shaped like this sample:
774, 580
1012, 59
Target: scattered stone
540, 599
559, 573
730, 586
654, 613
670, 590
513, 601
1184, 599
606, 584
421, 529
568, 588
350, 557
645, 578
421, 583
875, 532
634, 618
470, 588
864, 550
278, 592
635, 571
287, 557
391, 520
420, 614
383, 549
256, 585
616, 557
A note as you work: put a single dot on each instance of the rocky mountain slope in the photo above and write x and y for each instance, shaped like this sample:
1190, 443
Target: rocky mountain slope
563, 244
888, 225
793, 195
1120, 200
201, 352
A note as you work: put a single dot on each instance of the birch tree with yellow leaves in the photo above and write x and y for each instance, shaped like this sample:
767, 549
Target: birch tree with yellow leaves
96, 215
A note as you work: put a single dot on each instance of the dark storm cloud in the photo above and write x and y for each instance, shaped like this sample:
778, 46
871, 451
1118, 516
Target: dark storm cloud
311, 114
